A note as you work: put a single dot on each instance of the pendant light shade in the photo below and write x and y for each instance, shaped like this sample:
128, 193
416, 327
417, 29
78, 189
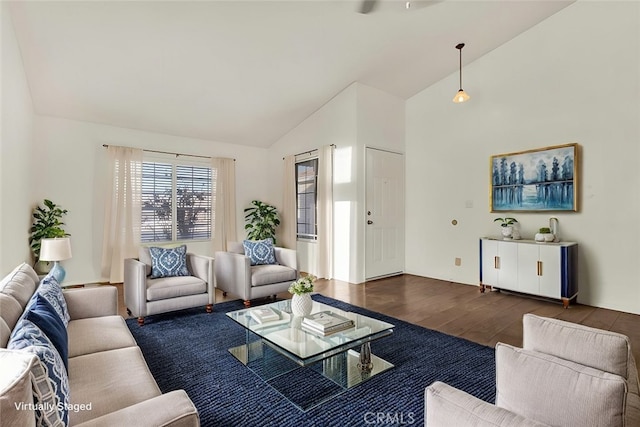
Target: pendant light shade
461, 96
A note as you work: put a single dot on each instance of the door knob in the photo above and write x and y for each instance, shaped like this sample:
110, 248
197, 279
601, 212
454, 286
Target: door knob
369, 222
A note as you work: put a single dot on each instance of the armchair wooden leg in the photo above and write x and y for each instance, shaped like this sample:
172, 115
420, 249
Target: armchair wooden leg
128, 312
209, 308
141, 321
247, 303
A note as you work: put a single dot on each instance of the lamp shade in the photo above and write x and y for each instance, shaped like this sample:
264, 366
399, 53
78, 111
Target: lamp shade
461, 96
57, 249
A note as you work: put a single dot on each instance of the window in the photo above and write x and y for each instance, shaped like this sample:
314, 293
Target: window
176, 202
306, 199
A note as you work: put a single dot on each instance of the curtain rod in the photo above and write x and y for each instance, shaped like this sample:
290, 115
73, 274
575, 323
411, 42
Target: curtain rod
310, 151
168, 152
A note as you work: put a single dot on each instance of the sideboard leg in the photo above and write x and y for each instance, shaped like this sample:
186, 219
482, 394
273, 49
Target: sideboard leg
565, 302
481, 288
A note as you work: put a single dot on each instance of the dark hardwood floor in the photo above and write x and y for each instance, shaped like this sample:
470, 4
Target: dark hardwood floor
461, 310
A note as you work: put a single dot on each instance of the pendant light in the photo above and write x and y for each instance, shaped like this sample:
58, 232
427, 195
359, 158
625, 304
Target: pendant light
461, 96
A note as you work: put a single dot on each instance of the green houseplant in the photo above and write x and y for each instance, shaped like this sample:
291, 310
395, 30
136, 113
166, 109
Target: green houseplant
544, 234
262, 221
507, 225
47, 224
505, 222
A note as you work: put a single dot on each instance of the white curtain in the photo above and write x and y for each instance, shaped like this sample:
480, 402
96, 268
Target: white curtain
325, 212
288, 218
224, 203
122, 211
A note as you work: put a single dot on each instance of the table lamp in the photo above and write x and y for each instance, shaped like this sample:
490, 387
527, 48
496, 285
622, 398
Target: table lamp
56, 250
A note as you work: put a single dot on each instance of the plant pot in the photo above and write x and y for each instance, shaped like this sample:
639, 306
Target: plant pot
507, 232
301, 305
549, 237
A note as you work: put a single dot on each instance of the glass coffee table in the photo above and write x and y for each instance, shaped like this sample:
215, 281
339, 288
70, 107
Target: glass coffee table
305, 367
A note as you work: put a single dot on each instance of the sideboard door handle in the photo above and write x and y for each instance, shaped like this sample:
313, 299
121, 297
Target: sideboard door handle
539, 268
496, 262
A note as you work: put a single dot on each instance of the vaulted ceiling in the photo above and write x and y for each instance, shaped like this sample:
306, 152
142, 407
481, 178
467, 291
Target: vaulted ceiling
245, 72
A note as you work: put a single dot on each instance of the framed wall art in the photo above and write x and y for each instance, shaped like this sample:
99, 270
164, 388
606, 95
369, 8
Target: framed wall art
544, 179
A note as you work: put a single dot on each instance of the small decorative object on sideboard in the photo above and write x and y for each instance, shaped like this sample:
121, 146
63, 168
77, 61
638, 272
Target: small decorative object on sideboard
544, 235
507, 226
553, 225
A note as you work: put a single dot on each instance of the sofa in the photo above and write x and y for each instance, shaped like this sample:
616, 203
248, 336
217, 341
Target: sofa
106, 381
242, 275
565, 374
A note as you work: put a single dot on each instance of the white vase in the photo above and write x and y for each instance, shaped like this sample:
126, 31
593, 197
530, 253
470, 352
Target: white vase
301, 305
507, 232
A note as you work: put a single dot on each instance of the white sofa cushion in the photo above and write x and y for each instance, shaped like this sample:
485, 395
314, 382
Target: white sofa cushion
536, 386
16, 386
15, 288
444, 403
84, 337
174, 287
271, 273
109, 381
599, 349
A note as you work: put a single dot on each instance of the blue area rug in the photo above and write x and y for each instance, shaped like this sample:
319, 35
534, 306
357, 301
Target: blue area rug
189, 350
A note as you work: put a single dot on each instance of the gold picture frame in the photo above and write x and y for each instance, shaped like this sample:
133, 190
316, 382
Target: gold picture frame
542, 179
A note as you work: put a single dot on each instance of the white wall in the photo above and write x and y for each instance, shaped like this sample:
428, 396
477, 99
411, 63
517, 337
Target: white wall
333, 123
572, 78
381, 125
16, 148
74, 176
360, 116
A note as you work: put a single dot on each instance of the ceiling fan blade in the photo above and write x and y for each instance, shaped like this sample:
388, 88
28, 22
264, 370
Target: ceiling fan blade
368, 6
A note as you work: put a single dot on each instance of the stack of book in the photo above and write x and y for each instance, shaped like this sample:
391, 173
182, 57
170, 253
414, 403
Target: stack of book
263, 315
326, 323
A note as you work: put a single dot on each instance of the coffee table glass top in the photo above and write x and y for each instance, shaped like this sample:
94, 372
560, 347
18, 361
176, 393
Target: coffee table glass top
307, 347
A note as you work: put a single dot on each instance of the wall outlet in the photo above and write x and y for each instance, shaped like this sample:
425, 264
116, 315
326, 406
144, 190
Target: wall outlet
458, 262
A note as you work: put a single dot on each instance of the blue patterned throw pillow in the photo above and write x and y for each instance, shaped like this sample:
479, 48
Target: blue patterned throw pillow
168, 262
260, 251
44, 316
49, 376
50, 289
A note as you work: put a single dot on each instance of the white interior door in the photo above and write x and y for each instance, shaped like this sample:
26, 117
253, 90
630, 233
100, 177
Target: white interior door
384, 237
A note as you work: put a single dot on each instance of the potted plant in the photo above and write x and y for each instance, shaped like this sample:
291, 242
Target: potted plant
262, 221
47, 224
301, 303
544, 234
506, 225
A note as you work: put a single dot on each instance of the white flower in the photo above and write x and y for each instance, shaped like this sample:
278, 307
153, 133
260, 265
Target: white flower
303, 285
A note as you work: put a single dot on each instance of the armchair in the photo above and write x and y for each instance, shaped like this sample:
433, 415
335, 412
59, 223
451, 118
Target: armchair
144, 296
235, 274
565, 375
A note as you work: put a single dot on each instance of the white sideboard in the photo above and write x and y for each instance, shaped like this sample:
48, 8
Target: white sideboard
542, 269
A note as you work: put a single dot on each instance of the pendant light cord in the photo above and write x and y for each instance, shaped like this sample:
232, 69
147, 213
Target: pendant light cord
460, 68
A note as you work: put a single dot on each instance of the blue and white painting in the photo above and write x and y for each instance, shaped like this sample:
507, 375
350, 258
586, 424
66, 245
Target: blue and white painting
535, 180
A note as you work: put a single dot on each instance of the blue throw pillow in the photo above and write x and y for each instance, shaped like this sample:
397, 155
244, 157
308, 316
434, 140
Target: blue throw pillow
168, 262
44, 316
260, 251
50, 289
50, 382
